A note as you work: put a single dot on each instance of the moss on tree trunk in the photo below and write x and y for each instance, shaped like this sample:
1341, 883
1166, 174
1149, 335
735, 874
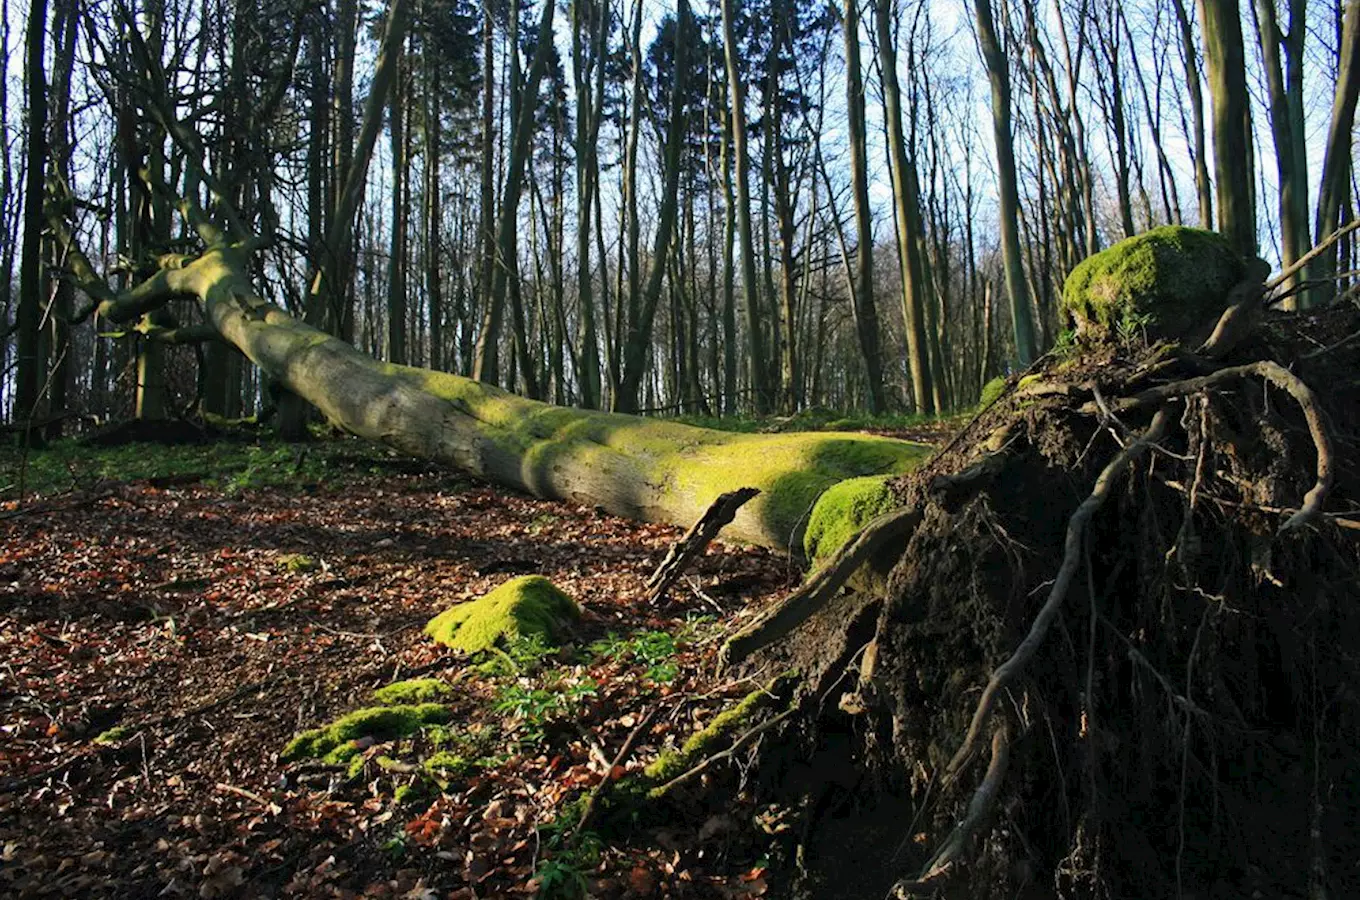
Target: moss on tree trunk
630, 466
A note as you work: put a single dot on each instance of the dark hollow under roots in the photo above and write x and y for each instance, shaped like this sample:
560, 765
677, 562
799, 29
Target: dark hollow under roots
1189, 724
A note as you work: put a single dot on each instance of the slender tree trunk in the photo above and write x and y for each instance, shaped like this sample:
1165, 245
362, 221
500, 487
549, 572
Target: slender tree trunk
628, 310
862, 286
60, 291
32, 364
1203, 185
789, 376
736, 94
396, 263
640, 328
998, 74
327, 304
588, 99
507, 232
729, 302
486, 233
434, 288
1292, 170
1220, 21
1334, 185
913, 290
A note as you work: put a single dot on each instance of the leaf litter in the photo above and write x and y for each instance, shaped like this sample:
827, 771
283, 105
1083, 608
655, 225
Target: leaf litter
160, 644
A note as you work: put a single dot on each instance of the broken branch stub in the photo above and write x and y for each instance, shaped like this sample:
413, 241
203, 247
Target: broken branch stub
684, 551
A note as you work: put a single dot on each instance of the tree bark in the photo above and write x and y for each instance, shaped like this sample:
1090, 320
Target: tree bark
862, 297
736, 95
1291, 169
507, 229
908, 216
1220, 21
1334, 186
32, 361
396, 256
640, 319
998, 75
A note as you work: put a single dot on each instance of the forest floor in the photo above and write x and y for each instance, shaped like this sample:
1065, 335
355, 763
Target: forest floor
163, 636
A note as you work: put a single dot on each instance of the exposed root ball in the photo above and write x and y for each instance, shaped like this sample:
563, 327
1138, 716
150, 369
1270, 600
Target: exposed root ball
1187, 722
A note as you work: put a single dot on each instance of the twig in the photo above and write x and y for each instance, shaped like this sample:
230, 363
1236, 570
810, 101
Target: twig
1322, 245
799, 606
719, 513
592, 802
1076, 528
242, 792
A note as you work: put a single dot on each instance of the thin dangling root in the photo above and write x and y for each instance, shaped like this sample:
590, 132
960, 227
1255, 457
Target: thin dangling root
1076, 528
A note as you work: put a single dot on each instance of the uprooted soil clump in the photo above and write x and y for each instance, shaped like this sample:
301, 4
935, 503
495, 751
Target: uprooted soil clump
1186, 724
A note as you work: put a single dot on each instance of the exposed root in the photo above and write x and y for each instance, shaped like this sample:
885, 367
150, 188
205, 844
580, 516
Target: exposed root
1321, 247
799, 606
950, 854
1207, 663
1006, 672
1282, 378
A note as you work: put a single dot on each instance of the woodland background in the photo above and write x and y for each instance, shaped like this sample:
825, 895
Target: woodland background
841, 205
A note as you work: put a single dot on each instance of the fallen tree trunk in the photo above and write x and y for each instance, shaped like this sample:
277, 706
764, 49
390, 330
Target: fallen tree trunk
635, 467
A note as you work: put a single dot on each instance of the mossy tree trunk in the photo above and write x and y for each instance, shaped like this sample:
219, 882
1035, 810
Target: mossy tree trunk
631, 466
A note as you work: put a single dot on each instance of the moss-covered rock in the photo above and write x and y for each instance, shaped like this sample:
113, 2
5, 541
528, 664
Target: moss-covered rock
415, 690
842, 511
1164, 283
333, 742
529, 605
992, 391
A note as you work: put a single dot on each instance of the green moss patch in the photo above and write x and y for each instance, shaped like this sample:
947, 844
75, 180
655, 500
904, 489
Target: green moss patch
298, 562
992, 391
333, 742
529, 605
726, 727
416, 690
116, 735
842, 511
1163, 282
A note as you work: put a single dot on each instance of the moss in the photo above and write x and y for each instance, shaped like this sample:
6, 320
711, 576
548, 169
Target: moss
842, 511
689, 466
521, 606
992, 391
116, 734
297, 562
791, 471
332, 742
356, 766
725, 727
446, 763
416, 690
411, 794
1165, 282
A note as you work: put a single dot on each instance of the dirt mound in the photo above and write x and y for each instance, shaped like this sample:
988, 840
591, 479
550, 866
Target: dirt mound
1187, 722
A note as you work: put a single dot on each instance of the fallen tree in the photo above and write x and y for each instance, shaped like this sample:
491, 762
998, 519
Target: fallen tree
631, 466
